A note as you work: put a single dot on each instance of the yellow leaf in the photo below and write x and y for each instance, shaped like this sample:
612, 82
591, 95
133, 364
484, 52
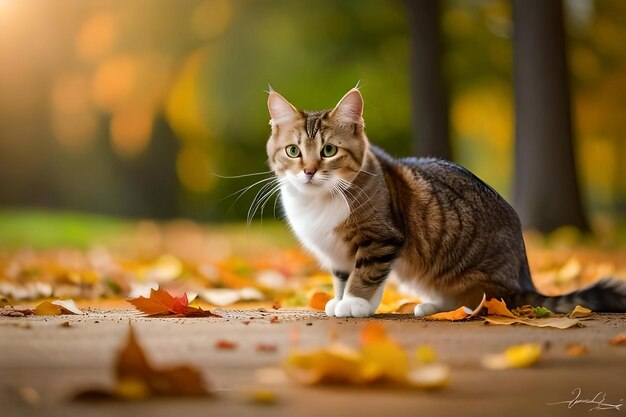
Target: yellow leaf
580, 311
498, 308
406, 307
384, 359
46, 308
425, 355
57, 307
519, 356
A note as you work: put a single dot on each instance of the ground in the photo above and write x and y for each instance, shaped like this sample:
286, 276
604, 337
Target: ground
38, 354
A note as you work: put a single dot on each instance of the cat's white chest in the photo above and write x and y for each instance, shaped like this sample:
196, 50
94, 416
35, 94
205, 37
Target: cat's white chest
314, 219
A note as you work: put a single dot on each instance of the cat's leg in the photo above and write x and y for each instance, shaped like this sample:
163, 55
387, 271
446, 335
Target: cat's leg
339, 285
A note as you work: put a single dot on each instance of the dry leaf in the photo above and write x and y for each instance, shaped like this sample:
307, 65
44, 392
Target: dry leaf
576, 349
555, 322
425, 355
225, 345
580, 311
162, 303
519, 356
460, 313
266, 347
318, 300
380, 359
137, 379
498, 308
619, 340
4, 302
276, 305
264, 396
57, 307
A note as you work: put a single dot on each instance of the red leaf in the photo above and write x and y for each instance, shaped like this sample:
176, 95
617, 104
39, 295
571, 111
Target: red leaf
162, 303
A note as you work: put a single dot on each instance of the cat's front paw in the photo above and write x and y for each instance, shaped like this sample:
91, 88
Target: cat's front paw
353, 307
426, 309
330, 306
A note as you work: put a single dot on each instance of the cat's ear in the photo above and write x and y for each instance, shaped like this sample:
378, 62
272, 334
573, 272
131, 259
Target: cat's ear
280, 109
349, 110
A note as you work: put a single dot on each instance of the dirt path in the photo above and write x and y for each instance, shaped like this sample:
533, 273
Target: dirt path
36, 353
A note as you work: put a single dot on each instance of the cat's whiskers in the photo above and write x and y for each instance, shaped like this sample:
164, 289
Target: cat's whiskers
262, 197
241, 176
242, 191
258, 197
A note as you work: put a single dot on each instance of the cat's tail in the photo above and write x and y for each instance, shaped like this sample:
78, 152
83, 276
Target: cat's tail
607, 295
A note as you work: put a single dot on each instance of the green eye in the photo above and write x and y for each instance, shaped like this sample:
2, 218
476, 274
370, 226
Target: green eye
292, 151
329, 150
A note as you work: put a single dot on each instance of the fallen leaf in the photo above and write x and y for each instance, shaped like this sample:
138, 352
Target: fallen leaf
318, 300
276, 305
619, 340
380, 359
274, 319
224, 344
57, 307
162, 303
4, 302
264, 396
576, 349
519, 356
460, 313
266, 347
425, 355
372, 332
498, 308
555, 322
430, 376
137, 379
29, 395
579, 312
65, 324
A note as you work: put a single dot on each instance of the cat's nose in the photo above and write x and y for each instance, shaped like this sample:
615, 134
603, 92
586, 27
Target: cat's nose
309, 172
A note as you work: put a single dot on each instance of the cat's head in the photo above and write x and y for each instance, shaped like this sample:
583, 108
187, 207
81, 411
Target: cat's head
316, 150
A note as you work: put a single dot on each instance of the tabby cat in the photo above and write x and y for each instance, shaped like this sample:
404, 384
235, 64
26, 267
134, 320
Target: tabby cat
446, 234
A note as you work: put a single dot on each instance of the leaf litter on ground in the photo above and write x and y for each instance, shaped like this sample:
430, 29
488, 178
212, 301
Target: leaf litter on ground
137, 379
380, 360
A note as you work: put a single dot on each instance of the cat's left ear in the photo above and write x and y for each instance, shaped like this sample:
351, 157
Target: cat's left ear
349, 110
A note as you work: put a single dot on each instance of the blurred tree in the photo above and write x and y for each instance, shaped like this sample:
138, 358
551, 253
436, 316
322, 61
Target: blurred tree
546, 192
429, 117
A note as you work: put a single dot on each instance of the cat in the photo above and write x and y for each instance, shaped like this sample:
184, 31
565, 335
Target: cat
362, 213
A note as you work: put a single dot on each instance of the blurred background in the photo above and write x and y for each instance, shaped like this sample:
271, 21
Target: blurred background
128, 108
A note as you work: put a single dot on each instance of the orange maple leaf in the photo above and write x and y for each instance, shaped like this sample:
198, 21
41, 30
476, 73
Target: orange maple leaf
162, 303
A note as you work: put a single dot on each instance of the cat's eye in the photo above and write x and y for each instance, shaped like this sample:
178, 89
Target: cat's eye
292, 151
329, 150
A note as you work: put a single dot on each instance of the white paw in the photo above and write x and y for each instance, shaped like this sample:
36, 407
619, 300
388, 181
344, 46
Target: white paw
353, 307
330, 306
426, 309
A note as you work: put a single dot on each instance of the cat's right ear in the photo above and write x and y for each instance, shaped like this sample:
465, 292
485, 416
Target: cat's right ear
280, 109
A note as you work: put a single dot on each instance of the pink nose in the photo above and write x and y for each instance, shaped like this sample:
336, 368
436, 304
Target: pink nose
310, 172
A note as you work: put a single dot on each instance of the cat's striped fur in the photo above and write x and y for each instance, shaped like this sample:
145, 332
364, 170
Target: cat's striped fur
442, 230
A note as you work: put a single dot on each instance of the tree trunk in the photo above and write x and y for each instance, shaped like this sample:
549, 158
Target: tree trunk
429, 93
546, 192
